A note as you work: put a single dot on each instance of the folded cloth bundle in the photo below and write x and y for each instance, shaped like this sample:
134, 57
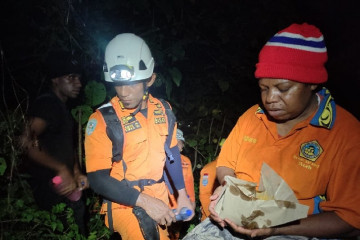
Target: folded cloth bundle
272, 204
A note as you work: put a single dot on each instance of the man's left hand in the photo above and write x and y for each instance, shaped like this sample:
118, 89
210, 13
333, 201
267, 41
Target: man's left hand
184, 201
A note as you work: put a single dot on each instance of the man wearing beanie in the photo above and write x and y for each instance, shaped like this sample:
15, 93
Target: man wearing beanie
299, 131
48, 139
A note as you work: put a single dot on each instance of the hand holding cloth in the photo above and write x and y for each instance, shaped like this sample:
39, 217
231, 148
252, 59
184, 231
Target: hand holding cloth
273, 203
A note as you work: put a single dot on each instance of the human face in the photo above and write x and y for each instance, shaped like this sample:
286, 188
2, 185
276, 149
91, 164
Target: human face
67, 86
131, 95
286, 100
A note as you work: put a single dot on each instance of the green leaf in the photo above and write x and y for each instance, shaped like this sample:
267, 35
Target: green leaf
86, 111
191, 142
202, 141
176, 76
191, 227
19, 203
70, 235
216, 112
59, 226
95, 93
58, 208
27, 217
3, 166
92, 236
53, 225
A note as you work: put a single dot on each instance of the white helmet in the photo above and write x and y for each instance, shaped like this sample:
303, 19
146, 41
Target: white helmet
127, 59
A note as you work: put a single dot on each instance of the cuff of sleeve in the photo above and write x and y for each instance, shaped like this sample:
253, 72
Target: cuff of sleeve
132, 197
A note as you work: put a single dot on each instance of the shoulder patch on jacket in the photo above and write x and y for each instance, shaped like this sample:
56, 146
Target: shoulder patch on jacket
90, 127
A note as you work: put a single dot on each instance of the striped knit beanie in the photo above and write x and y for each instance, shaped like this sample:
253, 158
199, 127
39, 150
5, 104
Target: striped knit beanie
297, 53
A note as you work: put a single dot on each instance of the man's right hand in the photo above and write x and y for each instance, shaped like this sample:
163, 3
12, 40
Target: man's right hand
156, 209
213, 214
221, 172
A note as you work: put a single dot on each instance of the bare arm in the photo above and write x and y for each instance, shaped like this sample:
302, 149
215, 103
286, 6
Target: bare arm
323, 225
221, 172
30, 144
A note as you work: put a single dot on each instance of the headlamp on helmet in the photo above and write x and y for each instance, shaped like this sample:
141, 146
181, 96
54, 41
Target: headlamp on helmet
121, 73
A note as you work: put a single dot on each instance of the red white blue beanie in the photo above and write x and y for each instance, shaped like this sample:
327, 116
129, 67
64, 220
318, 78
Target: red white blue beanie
297, 53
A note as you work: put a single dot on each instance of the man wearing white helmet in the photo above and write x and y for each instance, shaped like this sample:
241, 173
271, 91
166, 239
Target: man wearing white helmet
128, 173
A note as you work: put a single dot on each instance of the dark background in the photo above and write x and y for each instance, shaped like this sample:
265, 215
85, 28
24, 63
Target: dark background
213, 44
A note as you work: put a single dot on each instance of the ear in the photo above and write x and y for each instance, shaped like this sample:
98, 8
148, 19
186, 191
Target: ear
313, 86
151, 81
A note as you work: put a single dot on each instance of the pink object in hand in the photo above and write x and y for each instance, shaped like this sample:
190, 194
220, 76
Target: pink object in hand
73, 196
57, 180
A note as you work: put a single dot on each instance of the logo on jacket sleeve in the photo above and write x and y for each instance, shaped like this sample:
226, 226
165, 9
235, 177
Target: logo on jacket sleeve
91, 126
205, 179
311, 150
